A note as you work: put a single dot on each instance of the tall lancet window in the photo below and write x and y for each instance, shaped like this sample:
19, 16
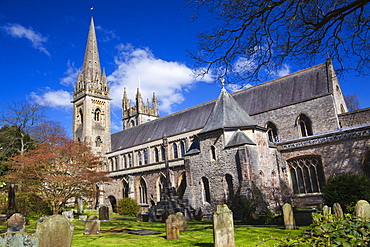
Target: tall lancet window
97, 115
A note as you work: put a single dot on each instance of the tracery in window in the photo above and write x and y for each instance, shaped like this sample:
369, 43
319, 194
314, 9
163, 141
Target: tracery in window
307, 174
143, 197
305, 125
272, 132
161, 181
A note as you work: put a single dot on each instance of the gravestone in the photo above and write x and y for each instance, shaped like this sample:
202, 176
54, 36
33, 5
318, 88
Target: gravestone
16, 223
223, 227
12, 207
183, 226
152, 214
326, 211
103, 213
18, 239
200, 215
92, 217
80, 206
337, 210
69, 215
289, 221
362, 209
139, 217
82, 217
92, 227
172, 227
55, 231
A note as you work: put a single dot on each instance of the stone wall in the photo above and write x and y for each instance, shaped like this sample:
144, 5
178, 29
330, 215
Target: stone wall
355, 117
320, 111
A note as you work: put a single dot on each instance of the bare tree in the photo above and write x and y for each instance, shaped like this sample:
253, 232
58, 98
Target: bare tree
22, 116
352, 102
255, 38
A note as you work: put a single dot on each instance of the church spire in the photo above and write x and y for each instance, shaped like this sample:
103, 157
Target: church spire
91, 79
91, 63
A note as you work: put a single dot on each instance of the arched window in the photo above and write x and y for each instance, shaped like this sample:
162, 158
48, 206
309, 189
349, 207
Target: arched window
124, 158
182, 148
181, 185
272, 132
229, 186
81, 116
307, 174
305, 126
262, 179
143, 198
163, 151
175, 153
98, 142
156, 154
146, 156
213, 152
129, 160
206, 195
132, 123
139, 158
161, 181
273, 179
97, 116
366, 164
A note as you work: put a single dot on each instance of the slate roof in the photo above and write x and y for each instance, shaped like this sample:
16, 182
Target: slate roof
296, 87
239, 138
227, 113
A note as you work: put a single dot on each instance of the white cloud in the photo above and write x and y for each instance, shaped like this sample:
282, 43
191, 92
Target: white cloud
108, 35
53, 98
167, 79
285, 70
236, 87
71, 75
18, 31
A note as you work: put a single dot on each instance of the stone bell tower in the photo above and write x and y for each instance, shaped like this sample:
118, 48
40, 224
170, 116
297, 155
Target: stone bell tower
91, 101
133, 115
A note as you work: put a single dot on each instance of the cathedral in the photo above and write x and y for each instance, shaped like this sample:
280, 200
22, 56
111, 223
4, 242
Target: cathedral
272, 143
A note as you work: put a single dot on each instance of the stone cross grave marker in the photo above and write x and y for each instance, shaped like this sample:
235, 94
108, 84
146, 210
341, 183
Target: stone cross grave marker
16, 223
172, 227
289, 220
223, 227
337, 210
103, 213
55, 231
362, 209
183, 226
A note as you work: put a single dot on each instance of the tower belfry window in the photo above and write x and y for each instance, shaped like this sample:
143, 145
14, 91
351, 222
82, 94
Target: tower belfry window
97, 114
98, 142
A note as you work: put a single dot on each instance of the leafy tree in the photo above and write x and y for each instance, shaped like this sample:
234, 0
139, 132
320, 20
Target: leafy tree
57, 170
253, 38
346, 189
352, 102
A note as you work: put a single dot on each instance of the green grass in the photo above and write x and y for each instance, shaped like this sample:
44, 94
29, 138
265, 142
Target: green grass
199, 234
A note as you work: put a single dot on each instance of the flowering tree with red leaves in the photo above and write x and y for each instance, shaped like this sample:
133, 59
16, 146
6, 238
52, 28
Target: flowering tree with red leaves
57, 170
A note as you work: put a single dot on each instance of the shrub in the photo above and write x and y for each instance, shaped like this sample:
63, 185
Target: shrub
127, 206
346, 189
30, 204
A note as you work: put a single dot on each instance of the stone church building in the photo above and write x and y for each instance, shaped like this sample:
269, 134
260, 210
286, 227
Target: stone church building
275, 142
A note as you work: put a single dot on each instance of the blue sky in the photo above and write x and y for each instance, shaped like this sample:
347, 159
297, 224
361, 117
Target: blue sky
42, 45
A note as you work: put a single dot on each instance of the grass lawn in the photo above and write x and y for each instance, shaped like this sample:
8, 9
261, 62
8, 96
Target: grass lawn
198, 234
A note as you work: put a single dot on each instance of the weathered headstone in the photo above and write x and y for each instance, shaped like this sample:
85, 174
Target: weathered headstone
337, 210
16, 223
152, 214
18, 239
289, 221
92, 227
92, 217
69, 215
55, 231
172, 227
223, 227
82, 217
103, 213
326, 211
139, 217
12, 207
80, 206
183, 226
362, 209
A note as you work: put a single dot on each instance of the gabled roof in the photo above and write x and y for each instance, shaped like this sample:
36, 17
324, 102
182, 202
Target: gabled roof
239, 138
227, 113
302, 85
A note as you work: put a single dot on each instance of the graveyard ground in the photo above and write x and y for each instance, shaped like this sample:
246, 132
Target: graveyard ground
113, 233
